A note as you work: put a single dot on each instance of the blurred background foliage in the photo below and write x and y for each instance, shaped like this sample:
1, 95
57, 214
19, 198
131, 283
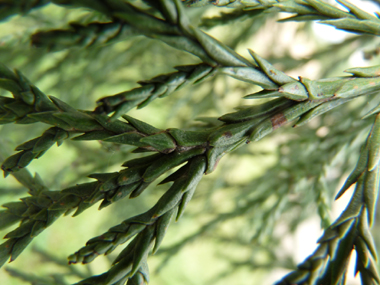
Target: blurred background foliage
246, 222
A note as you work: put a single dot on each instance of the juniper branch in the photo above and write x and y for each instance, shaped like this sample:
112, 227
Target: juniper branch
174, 29
113, 238
274, 82
148, 228
327, 265
164, 84
184, 146
200, 150
260, 72
166, 30
157, 87
38, 212
33, 149
14, 214
255, 122
69, 121
50, 205
251, 201
34, 184
27, 98
175, 147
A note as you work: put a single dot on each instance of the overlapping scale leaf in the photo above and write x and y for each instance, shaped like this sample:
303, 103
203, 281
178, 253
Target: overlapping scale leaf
69, 121
148, 229
349, 231
269, 125
33, 149
214, 53
27, 99
319, 110
157, 87
37, 212
324, 89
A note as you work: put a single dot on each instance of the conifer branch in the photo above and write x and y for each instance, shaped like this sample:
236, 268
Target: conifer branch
260, 72
195, 152
175, 146
148, 228
12, 7
274, 82
38, 212
14, 211
170, 30
42, 209
27, 98
287, 193
33, 149
254, 123
157, 87
327, 265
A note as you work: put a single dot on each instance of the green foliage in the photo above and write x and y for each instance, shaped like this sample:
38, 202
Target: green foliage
101, 42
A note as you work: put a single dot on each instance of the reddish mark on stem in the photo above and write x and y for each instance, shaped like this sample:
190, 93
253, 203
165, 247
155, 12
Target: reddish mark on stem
227, 134
278, 120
